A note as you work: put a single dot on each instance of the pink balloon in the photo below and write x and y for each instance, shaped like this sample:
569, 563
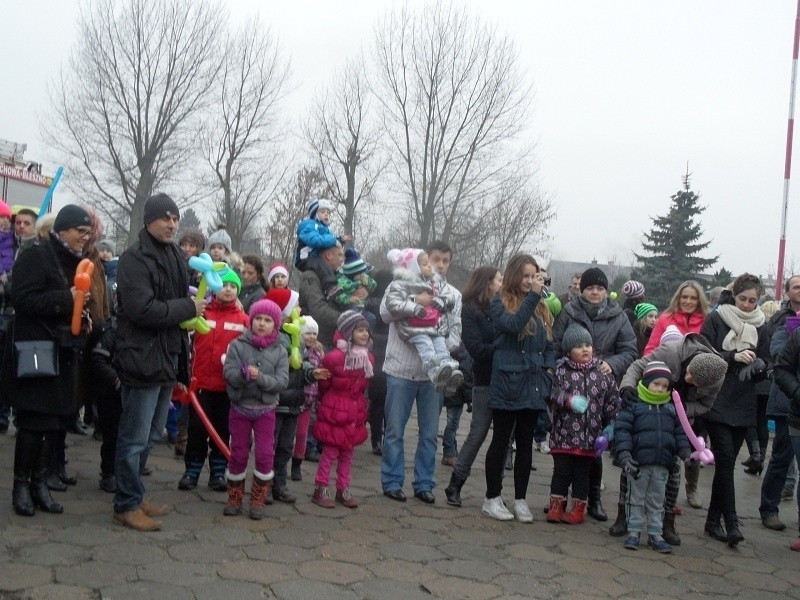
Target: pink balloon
701, 453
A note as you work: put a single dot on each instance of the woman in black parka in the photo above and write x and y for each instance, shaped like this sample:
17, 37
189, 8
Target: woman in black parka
43, 298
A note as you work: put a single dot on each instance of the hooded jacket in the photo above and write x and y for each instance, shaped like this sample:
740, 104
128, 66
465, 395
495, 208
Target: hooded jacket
400, 303
273, 377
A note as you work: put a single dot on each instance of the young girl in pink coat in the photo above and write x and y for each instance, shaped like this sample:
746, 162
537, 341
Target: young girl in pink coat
342, 412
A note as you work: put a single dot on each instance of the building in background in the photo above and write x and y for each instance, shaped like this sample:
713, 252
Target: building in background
22, 183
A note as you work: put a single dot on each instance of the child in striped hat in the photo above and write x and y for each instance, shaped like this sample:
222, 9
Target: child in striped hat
354, 284
314, 233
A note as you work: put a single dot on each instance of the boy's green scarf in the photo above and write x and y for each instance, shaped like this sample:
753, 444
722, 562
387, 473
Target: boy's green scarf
649, 397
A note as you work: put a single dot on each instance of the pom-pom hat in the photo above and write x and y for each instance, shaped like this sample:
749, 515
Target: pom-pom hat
277, 269
285, 299
633, 289
348, 322
405, 258
5, 209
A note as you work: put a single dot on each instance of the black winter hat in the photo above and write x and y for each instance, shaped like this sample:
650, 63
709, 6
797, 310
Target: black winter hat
158, 206
593, 276
71, 216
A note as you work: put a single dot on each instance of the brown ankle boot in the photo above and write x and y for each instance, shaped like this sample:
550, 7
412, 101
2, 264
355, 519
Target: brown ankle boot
576, 514
322, 498
556, 510
154, 510
235, 495
346, 498
259, 490
136, 519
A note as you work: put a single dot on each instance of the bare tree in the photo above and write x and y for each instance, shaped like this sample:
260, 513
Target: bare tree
289, 208
240, 143
123, 107
454, 101
344, 141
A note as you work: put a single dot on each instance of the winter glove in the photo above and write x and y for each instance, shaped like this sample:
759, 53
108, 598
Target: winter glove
690, 462
608, 432
757, 367
578, 404
629, 466
628, 395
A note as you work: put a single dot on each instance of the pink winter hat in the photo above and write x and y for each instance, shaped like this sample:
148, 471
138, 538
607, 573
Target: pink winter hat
405, 258
5, 209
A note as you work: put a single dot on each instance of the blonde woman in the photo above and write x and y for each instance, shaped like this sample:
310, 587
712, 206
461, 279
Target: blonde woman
687, 309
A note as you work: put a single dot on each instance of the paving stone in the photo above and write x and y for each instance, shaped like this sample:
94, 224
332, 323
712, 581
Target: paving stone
49, 554
466, 551
88, 535
590, 568
739, 563
390, 589
575, 585
764, 584
532, 552
203, 552
411, 552
287, 555
256, 571
226, 536
303, 590
706, 583
644, 562
685, 563
401, 570
363, 521
145, 589
291, 537
534, 568
331, 571
129, 554
214, 590
349, 553
475, 570
174, 572
439, 523
15, 576
60, 592
653, 584
101, 574
359, 536
417, 536
464, 589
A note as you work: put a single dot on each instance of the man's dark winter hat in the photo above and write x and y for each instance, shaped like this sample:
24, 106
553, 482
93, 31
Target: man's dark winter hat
158, 207
71, 216
593, 276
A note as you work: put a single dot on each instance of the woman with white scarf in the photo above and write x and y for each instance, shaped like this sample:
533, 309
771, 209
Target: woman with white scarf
736, 331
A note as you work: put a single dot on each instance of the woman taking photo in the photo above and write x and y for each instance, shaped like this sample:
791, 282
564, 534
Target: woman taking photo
736, 331
686, 310
522, 368
43, 298
477, 333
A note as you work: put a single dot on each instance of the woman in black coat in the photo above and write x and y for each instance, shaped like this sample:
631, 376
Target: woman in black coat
735, 330
380, 337
43, 298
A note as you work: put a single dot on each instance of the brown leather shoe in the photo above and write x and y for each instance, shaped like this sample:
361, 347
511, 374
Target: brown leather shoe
136, 519
154, 510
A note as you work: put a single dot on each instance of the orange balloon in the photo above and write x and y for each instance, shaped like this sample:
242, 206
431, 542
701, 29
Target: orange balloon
83, 283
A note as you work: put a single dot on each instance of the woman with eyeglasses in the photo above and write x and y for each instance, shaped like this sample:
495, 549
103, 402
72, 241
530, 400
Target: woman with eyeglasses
735, 330
43, 295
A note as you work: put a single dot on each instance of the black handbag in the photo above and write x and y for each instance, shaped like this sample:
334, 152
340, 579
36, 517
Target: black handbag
37, 358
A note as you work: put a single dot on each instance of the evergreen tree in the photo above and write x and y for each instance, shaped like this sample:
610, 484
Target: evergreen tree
673, 247
189, 220
722, 278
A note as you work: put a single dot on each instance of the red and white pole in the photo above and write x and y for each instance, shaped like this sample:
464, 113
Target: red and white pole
787, 166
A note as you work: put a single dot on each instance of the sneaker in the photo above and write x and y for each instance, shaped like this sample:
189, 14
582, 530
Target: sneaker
632, 541
187, 482
657, 543
496, 508
522, 511
439, 376
218, 483
543, 447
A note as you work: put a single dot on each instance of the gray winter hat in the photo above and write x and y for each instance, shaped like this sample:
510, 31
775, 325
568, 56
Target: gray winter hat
105, 244
707, 369
574, 336
220, 236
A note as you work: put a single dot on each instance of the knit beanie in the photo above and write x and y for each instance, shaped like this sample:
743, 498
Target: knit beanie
593, 276
656, 370
277, 269
220, 236
574, 336
553, 304
193, 237
353, 263
707, 368
5, 209
643, 309
106, 244
348, 322
671, 334
285, 299
315, 204
406, 258
159, 206
71, 216
231, 276
309, 326
633, 289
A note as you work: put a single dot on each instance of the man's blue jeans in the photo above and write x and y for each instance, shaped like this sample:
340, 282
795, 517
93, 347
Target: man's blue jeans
777, 469
400, 397
144, 414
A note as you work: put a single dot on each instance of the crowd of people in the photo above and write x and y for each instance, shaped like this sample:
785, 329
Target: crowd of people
304, 363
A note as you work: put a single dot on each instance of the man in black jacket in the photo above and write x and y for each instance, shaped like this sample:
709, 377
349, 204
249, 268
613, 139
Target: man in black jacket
152, 351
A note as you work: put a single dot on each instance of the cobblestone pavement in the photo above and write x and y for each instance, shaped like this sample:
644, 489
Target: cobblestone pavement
383, 549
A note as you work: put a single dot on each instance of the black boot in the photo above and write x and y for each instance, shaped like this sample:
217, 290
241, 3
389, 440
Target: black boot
21, 496
453, 490
734, 536
56, 446
39, 491
54, 483
713, 526
296, 473
595, 506
668, 531
620, 526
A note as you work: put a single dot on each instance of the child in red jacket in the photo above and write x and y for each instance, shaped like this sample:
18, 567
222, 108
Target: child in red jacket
227, 321
342, 413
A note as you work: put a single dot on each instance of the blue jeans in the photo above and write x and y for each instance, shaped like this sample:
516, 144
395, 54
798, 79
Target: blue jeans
400, 397
449, 444
777, 469
144, 414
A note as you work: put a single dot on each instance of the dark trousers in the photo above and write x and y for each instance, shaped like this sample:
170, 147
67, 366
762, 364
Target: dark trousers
778, 467
285, 429
759, 433
216, 405
571, 470
726, 441
505, 422
377, 403
109, 410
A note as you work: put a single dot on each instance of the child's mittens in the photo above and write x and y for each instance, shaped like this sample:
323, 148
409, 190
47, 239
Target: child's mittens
629, 466
246, 371
578, 404
419, 311
608, 432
